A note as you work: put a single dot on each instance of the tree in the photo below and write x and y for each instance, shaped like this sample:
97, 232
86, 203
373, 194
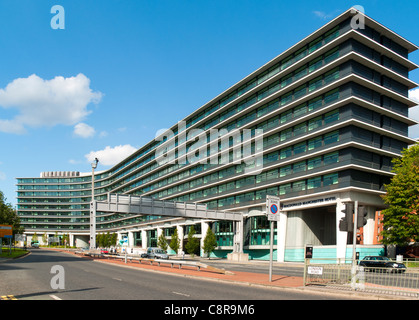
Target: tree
114, 239
401, 219
193, 243
210, 242
162, 242
45, 238
175, 241
9, 216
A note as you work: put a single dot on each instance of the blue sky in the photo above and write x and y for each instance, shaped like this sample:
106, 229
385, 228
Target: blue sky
122, 70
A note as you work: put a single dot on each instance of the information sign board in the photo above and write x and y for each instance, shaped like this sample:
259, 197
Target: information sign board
315, 270
6, 231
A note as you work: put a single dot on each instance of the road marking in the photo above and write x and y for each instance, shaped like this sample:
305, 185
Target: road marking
117, 279
54, 297
8, 297
181, 294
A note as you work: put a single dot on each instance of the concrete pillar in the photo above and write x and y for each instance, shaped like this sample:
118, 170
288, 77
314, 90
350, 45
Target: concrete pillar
238, 228
144, 239
281, 235
159, 232
71, 240
341, 236
180, 236
369, 227
204, 230
238, 254
131, 239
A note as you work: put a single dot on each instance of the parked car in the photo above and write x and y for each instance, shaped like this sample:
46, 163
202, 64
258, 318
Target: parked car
378, 263
35, 244
156, 253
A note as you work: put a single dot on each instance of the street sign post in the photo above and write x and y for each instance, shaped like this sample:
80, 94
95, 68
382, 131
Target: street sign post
272, 212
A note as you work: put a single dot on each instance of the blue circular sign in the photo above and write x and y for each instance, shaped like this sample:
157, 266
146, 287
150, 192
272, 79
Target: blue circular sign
274, 208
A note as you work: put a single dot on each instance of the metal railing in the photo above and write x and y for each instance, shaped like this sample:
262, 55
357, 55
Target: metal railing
343, 274
171, 262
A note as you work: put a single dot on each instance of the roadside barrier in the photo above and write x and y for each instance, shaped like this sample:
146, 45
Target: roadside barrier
172, 263
341, 274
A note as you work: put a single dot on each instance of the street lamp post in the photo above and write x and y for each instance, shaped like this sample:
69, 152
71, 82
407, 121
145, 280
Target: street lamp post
92, 245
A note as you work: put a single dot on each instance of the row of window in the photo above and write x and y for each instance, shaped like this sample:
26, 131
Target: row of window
297, 186
268, 141
271, 157
274, 174
285, 63
309, 145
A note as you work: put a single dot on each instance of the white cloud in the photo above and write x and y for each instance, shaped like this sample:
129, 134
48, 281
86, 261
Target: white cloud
111, 156
414, 94
2, 176
325, 16
40, 102
84, 130
72, 161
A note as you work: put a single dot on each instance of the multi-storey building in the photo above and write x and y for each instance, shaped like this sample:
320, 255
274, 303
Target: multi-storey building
333, 110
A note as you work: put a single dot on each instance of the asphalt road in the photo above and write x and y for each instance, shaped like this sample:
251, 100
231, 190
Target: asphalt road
31, 278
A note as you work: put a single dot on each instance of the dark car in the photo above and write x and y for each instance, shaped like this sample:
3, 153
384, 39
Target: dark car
378, 263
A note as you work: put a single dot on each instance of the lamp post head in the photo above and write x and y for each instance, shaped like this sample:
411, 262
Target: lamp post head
94, 163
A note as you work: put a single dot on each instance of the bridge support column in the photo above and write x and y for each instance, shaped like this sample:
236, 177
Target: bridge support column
180, 235
238, 254
204, 229
144, 239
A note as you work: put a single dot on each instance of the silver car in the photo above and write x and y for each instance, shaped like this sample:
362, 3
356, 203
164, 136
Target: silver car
156, 253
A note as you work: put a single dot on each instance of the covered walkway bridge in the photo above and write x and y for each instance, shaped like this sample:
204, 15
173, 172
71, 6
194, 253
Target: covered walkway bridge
129, 204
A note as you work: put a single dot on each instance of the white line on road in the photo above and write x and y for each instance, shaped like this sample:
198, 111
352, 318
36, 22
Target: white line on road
181, 294
54, 297
117, 279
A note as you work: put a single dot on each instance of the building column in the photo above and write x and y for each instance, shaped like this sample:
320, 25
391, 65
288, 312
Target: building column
180, 236
131, 239
159, 232
369, 227
204, 230
341, 236
144, 239
71, 240
281, 229
238, 227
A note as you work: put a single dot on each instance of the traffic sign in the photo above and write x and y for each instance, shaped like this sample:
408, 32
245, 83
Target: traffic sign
272, 208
